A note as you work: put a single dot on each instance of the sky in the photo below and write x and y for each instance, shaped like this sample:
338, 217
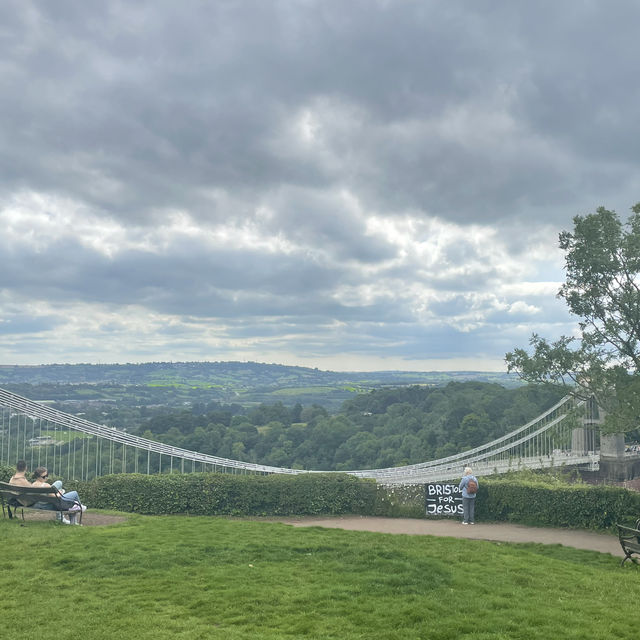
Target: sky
361, 185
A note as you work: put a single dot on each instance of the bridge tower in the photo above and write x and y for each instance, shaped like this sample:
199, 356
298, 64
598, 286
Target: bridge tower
615, 464
585, 438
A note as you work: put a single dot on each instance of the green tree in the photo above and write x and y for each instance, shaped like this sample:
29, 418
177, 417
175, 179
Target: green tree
472, 430
602, 289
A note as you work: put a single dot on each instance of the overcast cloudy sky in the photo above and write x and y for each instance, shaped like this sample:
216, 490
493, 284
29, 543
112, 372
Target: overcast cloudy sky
342, 184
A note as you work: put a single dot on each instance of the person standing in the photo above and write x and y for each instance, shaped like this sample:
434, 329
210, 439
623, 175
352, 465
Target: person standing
469, 488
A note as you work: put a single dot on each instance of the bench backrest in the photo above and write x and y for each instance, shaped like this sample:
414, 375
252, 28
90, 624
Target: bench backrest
627, 534
30, 495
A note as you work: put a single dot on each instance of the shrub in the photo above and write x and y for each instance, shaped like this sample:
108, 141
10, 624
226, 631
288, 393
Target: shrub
557, 505
523, 498
228, 494
6, 473
400, 501
527, 499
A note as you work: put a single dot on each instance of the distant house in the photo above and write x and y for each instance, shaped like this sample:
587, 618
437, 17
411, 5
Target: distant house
41, 441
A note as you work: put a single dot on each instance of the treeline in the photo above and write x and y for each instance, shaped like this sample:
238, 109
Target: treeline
383, 428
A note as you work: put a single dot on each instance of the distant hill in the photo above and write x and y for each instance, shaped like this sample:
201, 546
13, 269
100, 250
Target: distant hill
247, 374
241, 382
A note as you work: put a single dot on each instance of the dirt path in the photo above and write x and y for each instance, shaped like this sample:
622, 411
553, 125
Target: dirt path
604, 543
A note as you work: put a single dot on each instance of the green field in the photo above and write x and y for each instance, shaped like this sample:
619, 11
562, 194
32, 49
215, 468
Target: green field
62, 435
197, 577
178, 384
302, 391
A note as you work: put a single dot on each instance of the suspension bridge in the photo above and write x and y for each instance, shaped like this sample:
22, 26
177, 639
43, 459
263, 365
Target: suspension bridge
78, 449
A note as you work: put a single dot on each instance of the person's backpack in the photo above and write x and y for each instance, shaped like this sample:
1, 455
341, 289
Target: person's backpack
472, 487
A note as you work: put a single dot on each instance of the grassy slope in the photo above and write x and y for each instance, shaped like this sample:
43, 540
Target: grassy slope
179, 577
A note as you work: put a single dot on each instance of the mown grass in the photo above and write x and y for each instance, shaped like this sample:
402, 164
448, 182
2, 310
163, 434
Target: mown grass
188, 577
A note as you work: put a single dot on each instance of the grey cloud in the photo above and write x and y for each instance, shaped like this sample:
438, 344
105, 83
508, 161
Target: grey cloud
323, 221
186, 279
134, 109
11, 324
511, 115
409, 341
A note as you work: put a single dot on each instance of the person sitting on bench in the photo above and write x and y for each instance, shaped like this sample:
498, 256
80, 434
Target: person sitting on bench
19, 478
70, 497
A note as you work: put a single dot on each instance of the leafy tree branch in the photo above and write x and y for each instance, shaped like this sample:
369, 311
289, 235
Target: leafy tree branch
602, 289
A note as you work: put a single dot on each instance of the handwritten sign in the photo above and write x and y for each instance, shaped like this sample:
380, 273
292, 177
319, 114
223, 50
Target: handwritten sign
443, 500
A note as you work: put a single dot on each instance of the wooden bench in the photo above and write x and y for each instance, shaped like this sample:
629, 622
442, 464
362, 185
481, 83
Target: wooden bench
13, 495
630, 542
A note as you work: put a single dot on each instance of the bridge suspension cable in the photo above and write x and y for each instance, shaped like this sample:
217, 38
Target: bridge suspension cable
74, 448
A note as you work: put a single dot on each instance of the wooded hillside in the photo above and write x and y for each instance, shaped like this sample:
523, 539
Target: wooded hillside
386, 427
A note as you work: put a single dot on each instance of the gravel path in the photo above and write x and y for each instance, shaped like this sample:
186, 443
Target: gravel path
602, 542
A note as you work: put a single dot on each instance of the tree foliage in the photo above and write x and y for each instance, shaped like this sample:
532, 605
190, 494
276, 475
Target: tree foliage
602, 289
383, 428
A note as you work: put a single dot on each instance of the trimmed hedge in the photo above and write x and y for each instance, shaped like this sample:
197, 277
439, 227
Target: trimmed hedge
400, 501
577, 506
228, 494
505, 499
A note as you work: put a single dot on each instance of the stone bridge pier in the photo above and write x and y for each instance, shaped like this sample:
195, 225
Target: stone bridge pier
615, 464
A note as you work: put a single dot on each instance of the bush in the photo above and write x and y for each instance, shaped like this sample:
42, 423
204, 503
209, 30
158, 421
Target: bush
556, 505
527, 499
400, 501
228, 494
6, 473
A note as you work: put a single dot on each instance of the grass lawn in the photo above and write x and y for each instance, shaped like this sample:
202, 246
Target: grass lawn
198, 577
